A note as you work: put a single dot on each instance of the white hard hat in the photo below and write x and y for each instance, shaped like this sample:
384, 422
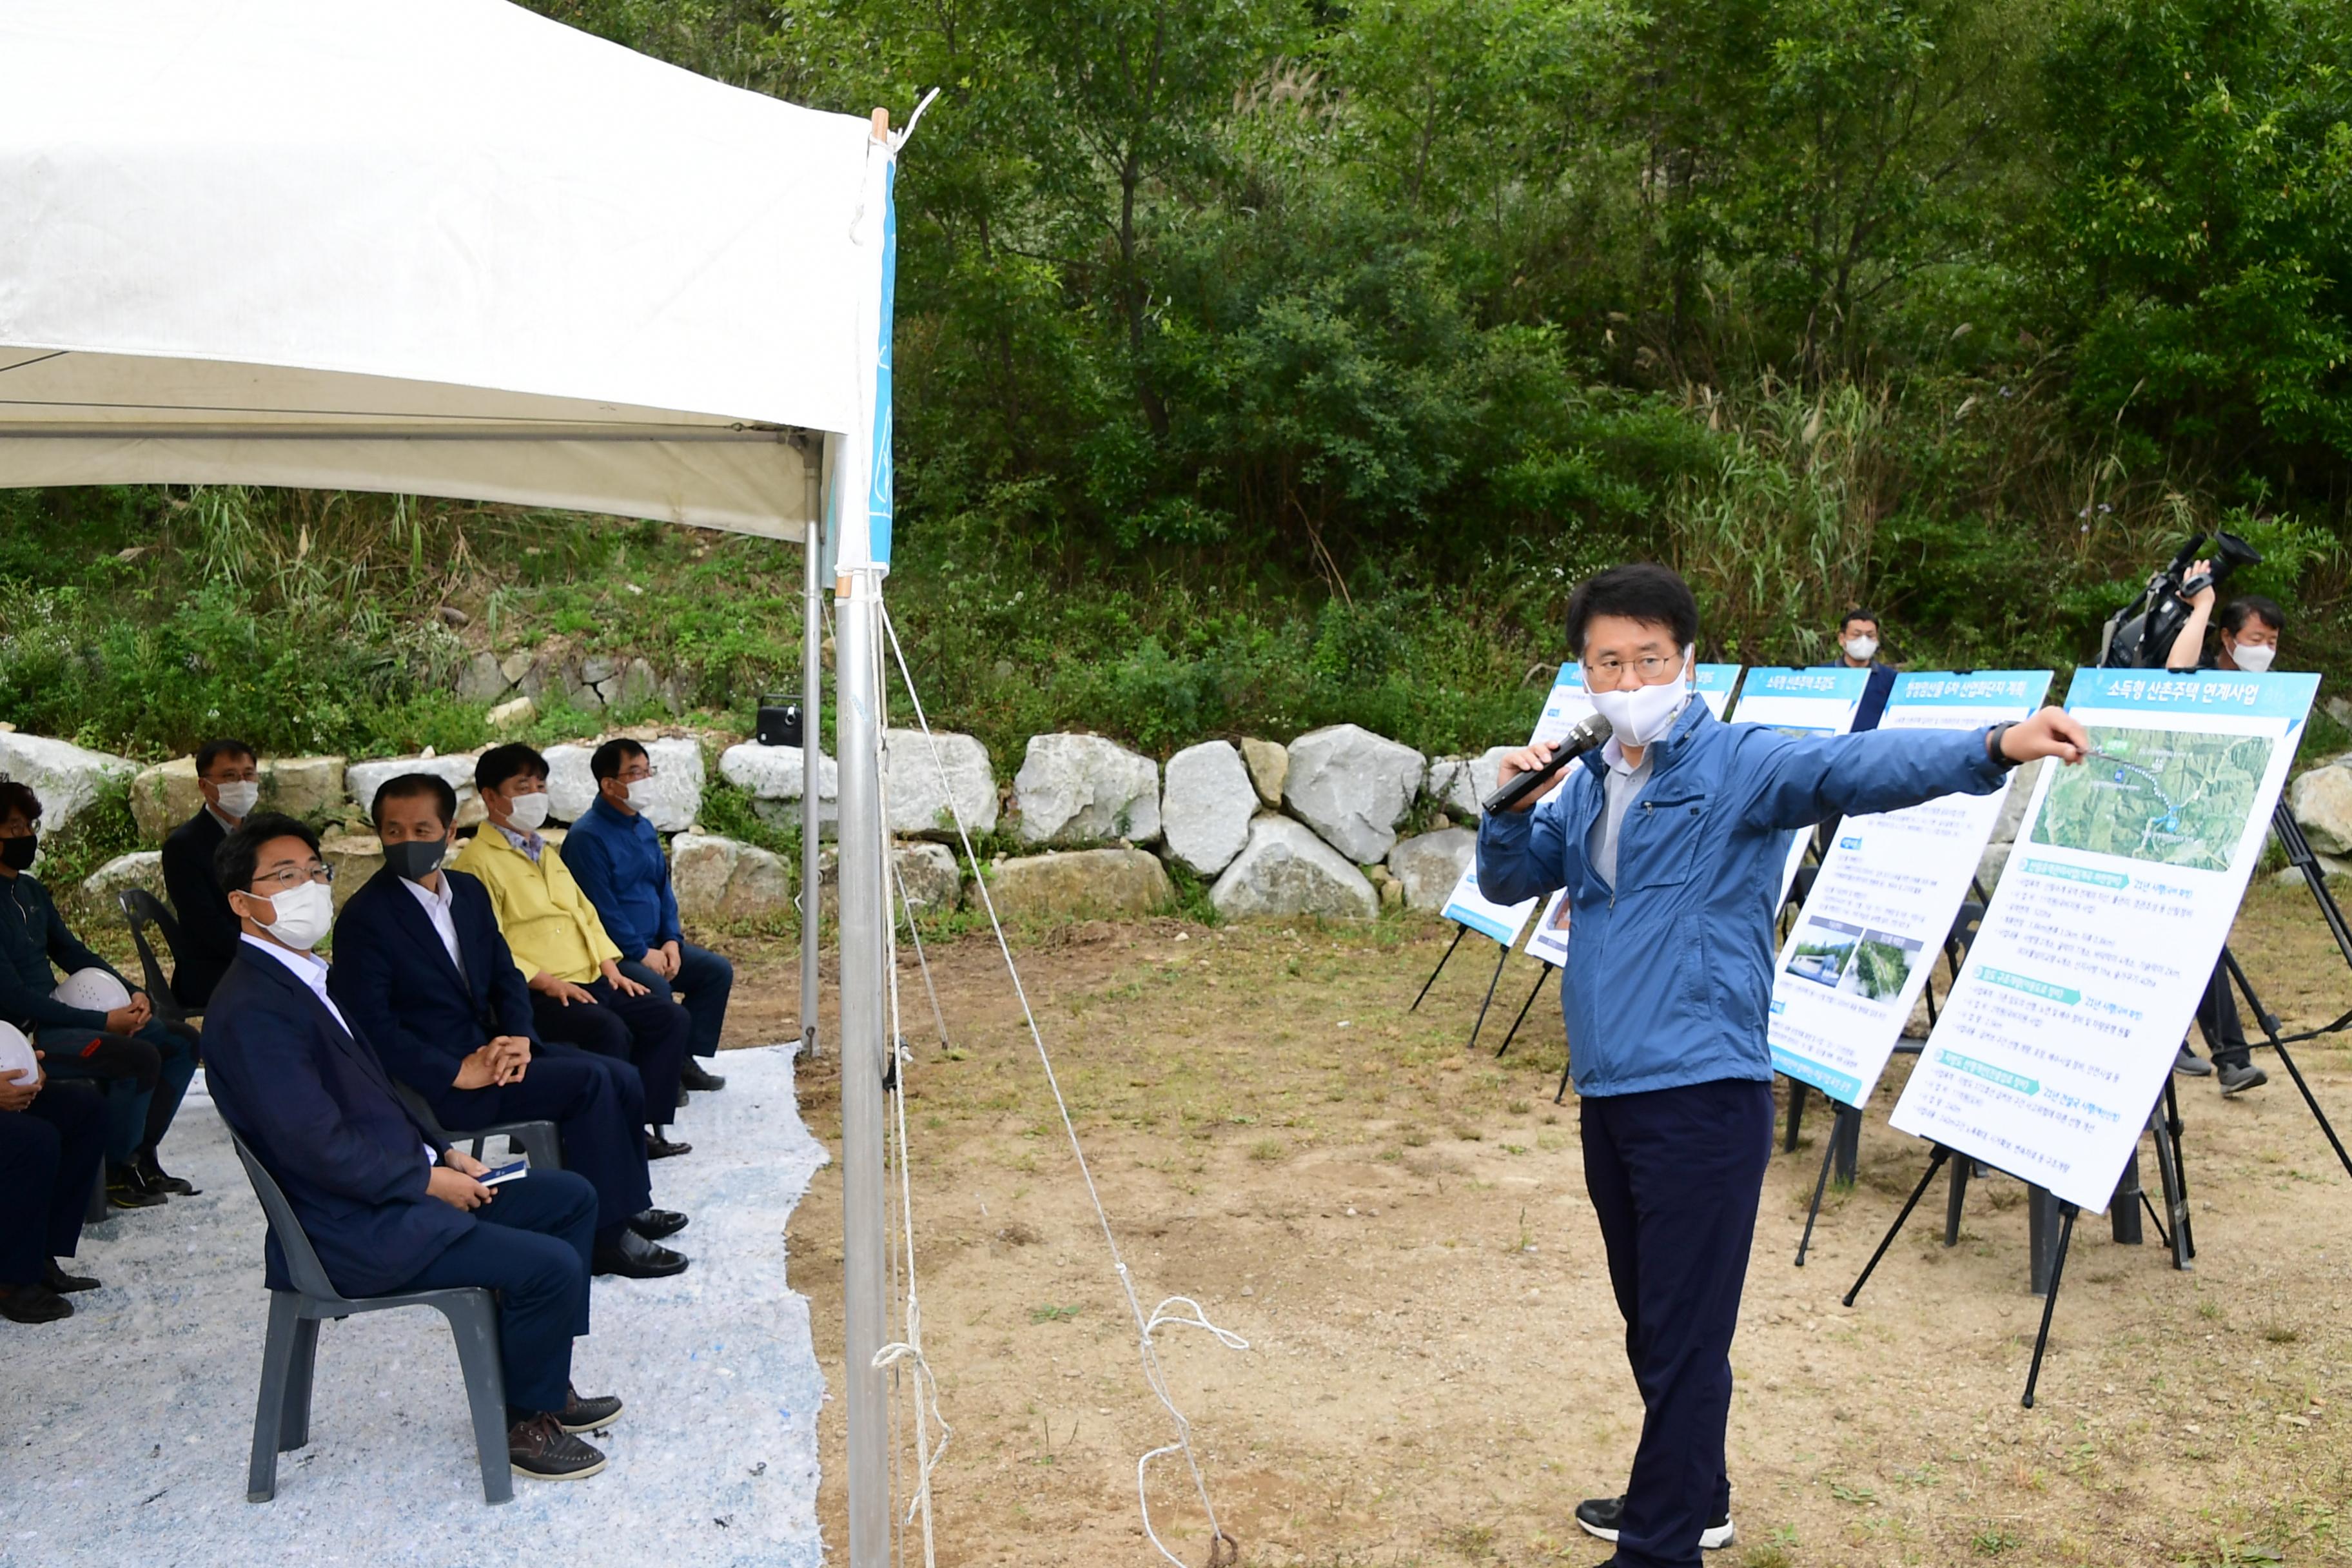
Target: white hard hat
92, 989
16, 1057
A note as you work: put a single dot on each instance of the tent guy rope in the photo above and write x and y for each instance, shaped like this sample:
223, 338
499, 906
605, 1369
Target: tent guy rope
1176, 1311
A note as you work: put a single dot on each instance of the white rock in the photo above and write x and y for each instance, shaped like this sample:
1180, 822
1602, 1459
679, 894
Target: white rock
2012, 810
2322, 802
363, 779
919, 786
1353, 788
1429, 864
66, 777
1082, 786
773, 776
1206, 805
677, 782
1452, 784
139, 869
929, 876
514, 714
722, 879
1287, 870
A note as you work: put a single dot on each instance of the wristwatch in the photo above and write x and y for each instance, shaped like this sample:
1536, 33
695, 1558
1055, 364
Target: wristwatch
2001, 759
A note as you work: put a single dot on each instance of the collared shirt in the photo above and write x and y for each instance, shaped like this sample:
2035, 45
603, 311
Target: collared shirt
311, 971
1619, 784
529, 844
228, 824
436, 909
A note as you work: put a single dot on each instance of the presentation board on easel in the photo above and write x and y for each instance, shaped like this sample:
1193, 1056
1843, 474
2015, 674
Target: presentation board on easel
1549, 939
1806, 703
2126, 877
1860, 953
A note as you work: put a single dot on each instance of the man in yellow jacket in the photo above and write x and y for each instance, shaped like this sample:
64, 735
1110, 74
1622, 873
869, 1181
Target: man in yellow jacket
578, 993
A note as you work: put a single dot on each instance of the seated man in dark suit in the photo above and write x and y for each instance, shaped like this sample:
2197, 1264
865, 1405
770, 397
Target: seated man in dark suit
419, 956
230, 775
387, 1209
50, 1139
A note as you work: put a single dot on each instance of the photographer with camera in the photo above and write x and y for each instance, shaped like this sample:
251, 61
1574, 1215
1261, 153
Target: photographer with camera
1670, 840
2251, 627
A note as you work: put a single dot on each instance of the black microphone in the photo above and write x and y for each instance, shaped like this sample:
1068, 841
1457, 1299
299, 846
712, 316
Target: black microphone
1593, 731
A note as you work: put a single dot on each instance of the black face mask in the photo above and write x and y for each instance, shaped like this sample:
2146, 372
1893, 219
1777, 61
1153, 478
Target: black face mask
416, 859
18, 852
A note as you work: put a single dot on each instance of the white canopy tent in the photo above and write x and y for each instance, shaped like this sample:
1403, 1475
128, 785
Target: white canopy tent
450, 247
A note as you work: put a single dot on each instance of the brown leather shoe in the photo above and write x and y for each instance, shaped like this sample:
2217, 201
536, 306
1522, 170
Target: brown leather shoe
542, 1450
586, 1414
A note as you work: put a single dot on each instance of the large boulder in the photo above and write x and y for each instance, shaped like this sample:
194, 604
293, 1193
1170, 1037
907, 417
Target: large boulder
919, 783
1269, 768
677, 782
773, 776
722, 879
1451, 786
1287, 870
482, 679
2322, 802
355, 856
1073, 787
1206, 805
929, 877
66, 777
1081, 884
1429, 864
139, 869
363, 779
1353, 788
165, 795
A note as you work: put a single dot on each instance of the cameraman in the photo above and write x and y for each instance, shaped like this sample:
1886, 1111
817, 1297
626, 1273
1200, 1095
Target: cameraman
2250, 625
1670, 841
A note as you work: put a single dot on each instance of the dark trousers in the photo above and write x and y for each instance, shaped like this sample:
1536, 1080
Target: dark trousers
48, 1162
1675, 1175
706, 981
649, 1032
2217, 1018
533, 1246
601, 1124
144, 1076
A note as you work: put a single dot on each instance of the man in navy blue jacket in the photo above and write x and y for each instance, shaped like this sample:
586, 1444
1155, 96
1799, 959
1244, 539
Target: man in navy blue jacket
418, 954
1670, 841
386, 1206
616, 858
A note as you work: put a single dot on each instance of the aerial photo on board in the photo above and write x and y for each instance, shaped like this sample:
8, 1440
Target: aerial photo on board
2178, 797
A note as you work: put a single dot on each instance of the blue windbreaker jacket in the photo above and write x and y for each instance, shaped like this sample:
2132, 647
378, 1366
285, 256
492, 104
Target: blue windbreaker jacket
1670, 972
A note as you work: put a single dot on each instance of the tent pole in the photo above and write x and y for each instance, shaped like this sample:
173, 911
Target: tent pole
812, 758
859, 839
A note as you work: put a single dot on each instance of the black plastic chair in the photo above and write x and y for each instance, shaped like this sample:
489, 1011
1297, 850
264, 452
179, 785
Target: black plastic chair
142, 909
539, 1139
281, 1419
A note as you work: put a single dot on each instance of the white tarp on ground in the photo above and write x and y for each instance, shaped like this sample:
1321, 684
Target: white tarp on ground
444, 246
131, 1422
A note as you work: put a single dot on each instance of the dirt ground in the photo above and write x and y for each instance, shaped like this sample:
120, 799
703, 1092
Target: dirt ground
1435, 1375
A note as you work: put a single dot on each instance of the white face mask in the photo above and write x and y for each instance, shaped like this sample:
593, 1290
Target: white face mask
1640, 716
641, 795
238, 797
304, 915
2254, 657
1860, 648
528, 811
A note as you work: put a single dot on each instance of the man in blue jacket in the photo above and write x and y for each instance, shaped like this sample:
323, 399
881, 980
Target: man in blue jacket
616, 858
387, 1206
418, 954
1670, 841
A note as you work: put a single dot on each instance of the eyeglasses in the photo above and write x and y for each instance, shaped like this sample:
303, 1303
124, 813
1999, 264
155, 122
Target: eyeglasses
1609, 673
294, 877
651, 772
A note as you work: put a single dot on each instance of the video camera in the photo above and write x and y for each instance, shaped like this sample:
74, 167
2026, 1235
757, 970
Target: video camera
2140, 636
